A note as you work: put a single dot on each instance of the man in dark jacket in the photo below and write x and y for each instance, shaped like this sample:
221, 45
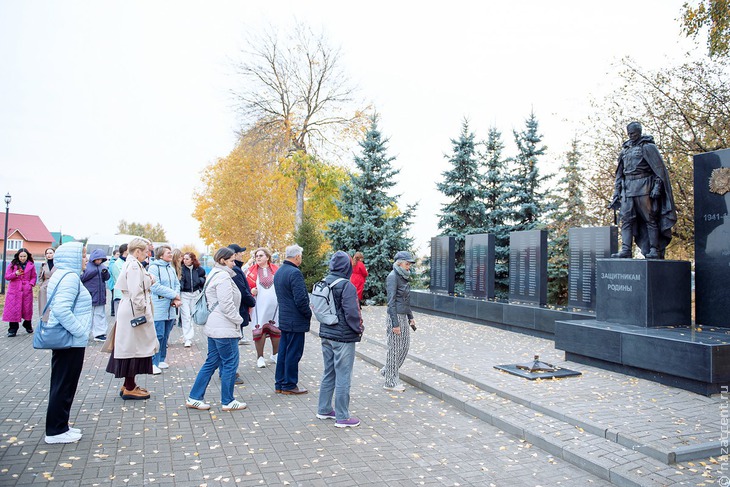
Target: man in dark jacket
294, 317
247, 299
338, 344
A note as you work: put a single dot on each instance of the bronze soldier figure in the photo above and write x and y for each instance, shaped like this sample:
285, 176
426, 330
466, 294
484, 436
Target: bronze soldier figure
643, 193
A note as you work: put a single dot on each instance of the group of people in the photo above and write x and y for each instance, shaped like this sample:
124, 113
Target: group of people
150, 293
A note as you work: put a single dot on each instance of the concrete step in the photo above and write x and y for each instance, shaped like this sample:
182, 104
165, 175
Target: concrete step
581, 443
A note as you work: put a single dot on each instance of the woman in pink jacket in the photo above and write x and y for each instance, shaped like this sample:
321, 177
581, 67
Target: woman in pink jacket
21, 275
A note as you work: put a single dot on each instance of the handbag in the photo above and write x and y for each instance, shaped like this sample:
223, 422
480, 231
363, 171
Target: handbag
111, 336
200, 310
53, 337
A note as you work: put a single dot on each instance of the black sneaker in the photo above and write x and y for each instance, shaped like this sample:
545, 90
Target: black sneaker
100, 338
12, 334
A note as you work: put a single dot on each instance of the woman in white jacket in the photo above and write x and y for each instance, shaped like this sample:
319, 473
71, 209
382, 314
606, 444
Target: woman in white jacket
223, 332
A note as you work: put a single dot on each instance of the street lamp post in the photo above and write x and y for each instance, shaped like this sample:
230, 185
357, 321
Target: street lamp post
5, 241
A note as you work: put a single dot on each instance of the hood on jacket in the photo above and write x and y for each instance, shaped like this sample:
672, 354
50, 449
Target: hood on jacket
97, 254
160, 262
341, 264
68, 257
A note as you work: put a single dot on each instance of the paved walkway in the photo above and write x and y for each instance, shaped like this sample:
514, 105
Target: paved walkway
441, 437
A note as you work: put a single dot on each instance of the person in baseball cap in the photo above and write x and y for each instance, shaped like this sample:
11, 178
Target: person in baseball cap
404, 255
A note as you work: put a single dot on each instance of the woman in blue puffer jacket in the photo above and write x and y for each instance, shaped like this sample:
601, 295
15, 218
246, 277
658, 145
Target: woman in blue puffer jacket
70, 305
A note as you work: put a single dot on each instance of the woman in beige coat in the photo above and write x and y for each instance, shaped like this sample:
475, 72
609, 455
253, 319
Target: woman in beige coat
135, 340
223, 329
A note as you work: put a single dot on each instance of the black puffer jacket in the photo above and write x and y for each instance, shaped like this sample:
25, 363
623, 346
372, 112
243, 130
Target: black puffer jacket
192, 280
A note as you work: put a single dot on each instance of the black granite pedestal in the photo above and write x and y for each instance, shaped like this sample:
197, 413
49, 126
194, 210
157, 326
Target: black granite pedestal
679, 356
644, 292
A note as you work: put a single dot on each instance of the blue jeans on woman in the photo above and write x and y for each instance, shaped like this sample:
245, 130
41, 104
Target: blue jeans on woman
223, 353
338, 361
163, 329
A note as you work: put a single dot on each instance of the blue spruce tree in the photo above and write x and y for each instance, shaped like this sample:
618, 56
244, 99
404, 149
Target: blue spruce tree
497, 208
569, 212
464, 214
371, 221
525, 196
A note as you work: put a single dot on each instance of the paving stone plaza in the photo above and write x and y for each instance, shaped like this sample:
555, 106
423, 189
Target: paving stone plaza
460, 422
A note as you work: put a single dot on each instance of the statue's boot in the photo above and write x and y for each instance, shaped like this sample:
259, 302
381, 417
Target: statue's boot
653, 242
653, 254
625, 252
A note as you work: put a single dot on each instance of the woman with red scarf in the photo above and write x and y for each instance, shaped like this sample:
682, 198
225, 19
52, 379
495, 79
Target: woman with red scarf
265, 315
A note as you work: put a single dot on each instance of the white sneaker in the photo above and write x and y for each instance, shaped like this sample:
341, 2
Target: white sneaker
234, 406
74, 430
274, 357
196, 404
188, 344
156, 370
396, 388
163, 365
67, 437
244, 341
261, 363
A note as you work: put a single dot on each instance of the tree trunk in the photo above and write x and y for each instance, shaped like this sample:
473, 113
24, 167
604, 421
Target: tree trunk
299, 215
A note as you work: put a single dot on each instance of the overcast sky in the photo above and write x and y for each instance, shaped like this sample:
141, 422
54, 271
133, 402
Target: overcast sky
111, 110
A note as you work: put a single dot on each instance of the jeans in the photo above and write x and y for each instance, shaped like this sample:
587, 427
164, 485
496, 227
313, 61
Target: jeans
291, 349
186, 312
338, 361
223, 353
163, 329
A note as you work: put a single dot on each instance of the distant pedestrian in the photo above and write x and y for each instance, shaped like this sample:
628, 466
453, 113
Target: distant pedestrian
338, 345
44, 275
176, 264
115, 269
71, 309
294, 317
192, 280
359, 274
223, 331
265, 314
21, 277
94, 279
165, 300
112, 278
135, 340
399, 318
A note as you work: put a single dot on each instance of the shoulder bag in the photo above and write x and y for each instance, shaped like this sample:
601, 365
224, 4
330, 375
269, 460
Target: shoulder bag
53, 337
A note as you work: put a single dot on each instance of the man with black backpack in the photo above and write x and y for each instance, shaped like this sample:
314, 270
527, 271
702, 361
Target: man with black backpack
338, 344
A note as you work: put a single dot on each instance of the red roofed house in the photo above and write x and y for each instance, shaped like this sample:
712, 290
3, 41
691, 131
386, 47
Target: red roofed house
27, 231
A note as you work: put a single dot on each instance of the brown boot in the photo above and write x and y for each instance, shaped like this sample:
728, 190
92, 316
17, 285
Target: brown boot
137, 393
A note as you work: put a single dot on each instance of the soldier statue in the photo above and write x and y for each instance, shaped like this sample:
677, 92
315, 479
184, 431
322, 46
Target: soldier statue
644, 195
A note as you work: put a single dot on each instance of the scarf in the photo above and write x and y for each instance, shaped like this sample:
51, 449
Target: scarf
402, 272
50, 264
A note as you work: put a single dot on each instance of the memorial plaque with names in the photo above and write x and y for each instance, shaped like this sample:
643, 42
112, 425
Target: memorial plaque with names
528, 266
585, 245
443, 264
712, 238
479, 265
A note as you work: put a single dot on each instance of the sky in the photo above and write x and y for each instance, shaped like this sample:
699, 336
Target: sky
111, 110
